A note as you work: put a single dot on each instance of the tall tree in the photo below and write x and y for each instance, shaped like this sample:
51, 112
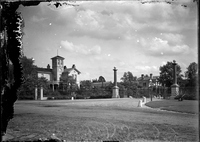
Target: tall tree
192, 74
68, 80
30, 79
128, 77
86, 88
10, 50
128, 81
29, 69
166, 74
101, 79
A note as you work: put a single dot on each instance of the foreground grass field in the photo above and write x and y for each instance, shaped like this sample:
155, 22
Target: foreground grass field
105, 119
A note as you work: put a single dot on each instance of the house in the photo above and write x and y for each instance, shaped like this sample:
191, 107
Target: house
71, 73
146, 81
53, 74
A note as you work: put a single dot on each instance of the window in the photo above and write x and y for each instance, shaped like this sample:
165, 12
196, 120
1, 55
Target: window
58, 62
73, 76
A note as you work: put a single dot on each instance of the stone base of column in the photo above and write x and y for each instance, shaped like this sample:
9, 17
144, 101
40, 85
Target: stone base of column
174, 91
115, 92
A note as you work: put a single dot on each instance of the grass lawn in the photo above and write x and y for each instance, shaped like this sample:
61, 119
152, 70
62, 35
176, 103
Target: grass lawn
103, 119
185, 106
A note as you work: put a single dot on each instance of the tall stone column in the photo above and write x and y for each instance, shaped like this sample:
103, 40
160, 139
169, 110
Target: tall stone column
115, 88
41, 93
175, 86
36, 92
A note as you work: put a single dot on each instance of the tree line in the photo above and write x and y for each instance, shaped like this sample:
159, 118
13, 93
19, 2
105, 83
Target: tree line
128, 85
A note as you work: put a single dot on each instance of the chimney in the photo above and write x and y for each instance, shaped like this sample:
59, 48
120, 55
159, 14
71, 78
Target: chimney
48, 66
151, 76
73, 66
65, 67
142, 76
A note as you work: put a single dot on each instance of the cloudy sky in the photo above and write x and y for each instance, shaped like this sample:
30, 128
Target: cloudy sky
100, 35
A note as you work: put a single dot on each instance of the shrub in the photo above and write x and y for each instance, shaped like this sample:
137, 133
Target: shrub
144, 92
56, 95
100, 93
190, 93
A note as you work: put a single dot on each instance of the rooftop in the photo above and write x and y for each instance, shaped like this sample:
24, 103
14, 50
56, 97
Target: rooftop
43, 70
59, 57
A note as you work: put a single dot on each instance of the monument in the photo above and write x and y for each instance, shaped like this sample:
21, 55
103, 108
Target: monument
115, 93
175, 86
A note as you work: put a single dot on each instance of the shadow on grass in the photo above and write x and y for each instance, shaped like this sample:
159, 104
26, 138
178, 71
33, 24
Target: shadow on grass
186, 106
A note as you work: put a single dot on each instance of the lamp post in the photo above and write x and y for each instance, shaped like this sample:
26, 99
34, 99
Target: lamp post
157, 87
150, 85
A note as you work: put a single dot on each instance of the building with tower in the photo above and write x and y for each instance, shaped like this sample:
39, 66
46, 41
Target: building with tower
145, 81
53, 75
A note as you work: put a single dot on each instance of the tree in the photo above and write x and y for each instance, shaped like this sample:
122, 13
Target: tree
129, 82
192, 74
28, 67
64, 80
101, 79
94, 80
86, 88
30, 79
166, 74
10, 51
26, 90
68, 80
128, 77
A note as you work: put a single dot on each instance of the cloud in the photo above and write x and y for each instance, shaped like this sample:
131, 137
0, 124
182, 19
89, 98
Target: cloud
163, 63
106, 12
158, 46
84, 76
146, 69
111, 20
68, 45
81, 49
173, 38
37, 19
95, 50
89, 20
143, 68
101, 35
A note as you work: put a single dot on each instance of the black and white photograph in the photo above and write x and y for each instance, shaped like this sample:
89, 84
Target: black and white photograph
99, 70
